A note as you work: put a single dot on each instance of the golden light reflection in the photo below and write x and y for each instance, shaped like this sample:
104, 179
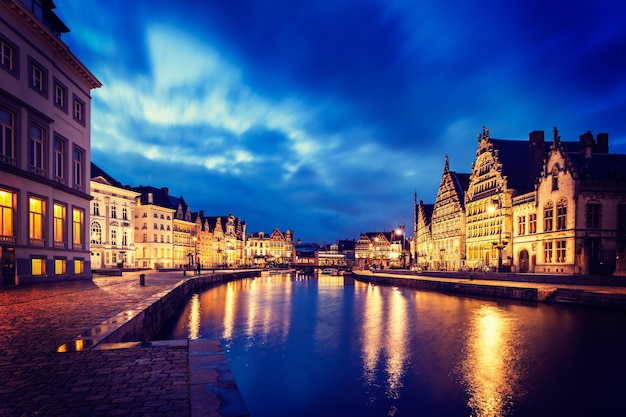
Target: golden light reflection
229, 311
372, 333
491, 364
194, 317
396, 346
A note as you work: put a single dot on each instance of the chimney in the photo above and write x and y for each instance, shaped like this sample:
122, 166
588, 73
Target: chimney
586, 144
166, 191
602, 143
536, 153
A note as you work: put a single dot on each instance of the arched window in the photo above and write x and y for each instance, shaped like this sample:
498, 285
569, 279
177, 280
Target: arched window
548, 217
96, 233
561, 214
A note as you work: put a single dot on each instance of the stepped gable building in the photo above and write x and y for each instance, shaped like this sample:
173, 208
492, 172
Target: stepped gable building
422, 238
378, 249
277, 248
448, 221
45, 142
229, 240
112, 222
551, 207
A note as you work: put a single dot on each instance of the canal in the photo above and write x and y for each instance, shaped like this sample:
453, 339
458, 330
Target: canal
330, 346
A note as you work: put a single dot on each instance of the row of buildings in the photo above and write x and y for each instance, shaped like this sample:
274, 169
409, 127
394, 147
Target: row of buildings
147, 227
540, 206
60, 215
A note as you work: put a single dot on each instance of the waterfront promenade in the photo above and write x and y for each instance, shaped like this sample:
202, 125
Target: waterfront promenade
149, 379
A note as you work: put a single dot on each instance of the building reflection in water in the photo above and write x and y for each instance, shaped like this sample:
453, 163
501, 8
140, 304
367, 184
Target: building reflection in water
385, 338
490, 364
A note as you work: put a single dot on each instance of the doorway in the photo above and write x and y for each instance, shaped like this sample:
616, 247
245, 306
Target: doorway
523, 261
7, 259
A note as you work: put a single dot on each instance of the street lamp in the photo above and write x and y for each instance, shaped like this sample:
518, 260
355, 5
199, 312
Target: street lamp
195, 253
400, 232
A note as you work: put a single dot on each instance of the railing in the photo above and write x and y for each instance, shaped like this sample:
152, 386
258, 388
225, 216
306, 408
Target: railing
36, 242
8, 239
7, 160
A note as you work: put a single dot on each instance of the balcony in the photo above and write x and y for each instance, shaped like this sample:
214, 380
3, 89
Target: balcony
36, 242
8, 239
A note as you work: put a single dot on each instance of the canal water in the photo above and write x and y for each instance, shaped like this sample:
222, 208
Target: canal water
330, 346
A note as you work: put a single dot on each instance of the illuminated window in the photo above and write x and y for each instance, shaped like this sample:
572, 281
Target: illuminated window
521, 225
78, 226
60, 266
561, 215
96, 233
38, 266
6, 217
36, 214
547, 252
548, 214
59, 160
7, 152
593, 215
35, 150
532, 223
560, 250
59, 224
79, 266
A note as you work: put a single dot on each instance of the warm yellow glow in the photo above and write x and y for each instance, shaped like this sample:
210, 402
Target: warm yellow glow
491, 365
491, 209
194, 318
372, 333
397, 338
229, 311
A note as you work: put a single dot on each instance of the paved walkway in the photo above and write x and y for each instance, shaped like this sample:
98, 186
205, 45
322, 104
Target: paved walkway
37, 381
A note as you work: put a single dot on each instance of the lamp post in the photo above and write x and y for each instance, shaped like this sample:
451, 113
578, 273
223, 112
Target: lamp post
400, 232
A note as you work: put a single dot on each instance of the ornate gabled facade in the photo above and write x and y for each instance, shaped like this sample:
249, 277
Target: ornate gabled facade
422, 240
532, 206
277, 248
112, 222
229, 241
45, 145
378, 250
488, 208
448, 221
579, 220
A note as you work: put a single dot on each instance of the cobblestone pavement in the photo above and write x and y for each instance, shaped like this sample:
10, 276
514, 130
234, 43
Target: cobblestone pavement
35, 380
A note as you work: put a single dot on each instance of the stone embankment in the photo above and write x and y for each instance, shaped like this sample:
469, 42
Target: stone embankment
584, 291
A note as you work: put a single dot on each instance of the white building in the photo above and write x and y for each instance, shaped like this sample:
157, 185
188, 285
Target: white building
112, 224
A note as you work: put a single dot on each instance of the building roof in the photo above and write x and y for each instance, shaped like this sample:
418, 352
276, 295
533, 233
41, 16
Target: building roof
97, 172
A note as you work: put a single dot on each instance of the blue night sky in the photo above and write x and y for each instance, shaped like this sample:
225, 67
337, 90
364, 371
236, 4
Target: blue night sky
325, 116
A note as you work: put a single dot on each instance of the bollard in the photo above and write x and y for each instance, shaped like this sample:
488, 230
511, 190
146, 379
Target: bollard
184, 272
142, 280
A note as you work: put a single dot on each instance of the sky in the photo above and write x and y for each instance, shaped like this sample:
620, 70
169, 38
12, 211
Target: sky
325, 117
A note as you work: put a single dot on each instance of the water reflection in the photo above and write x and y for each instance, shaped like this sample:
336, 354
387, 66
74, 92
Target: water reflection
385, 337
194, 317
491, 362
